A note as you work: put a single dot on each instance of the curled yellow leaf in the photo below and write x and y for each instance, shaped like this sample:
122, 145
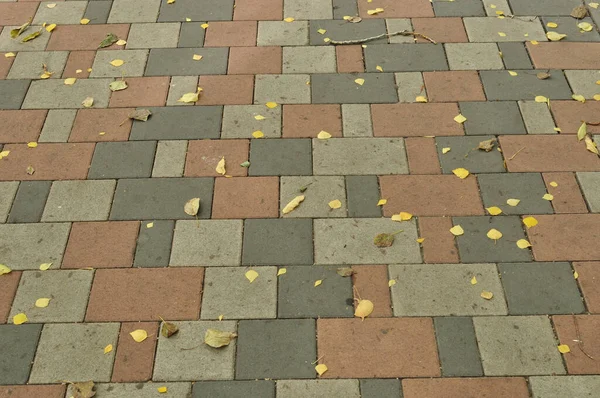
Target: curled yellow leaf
363, 309
318, 282
461, 173
487, 295
221, 166
381, 202
293, 204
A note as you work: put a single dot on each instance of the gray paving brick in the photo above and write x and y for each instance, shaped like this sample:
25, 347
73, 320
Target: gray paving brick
380, 388
475, 246
568, 26
76, 342
28, 65
7, 43
398, 24
341, 8
405, 57
458, 8
239, 121
473, 56
234, 389
210, 243
531, 337
196, 10
175, 361
363, 195
160, 198
464, 153
153, 35
68, 291
54, 93
13, 92
486, 29
57, 126
590, 185
410, 86
492, 118
564, 386
194, 122
583, 82
499, 85
122, 160
8, 190
345, 156
79, 200
67, 13
135, 63
139, 390
29, 202
18, 345
309, 59
281, 33
543, 7
180, 62
98, 11
308, 9
318, 388
318, 192
278, 241
529, 188
515, 55
280, 157
283, 89
170, 159
350, 241
154, 244
540, 288
276, 349
299, 298
457, 347
342, 30
356, 120
26, 246
129, 11
191, 35
342, 89
228, 293
537, 117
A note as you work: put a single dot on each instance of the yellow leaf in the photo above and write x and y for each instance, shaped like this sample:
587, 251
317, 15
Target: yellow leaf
51, 5
494, 234
293, 204
321, 368
446, 150
323, 135
578, 97
375, 11
379, 68
487, 295
534, 42
204, 26
553, 184
197, 57
421, 98
4, 154
391, 282
461, 173
457, 230
523, 244
258, 134
163, 389
548, 196
554, 36
45, 266
149, 225
281, 271
575, 275
20, 319
289, 19
530, 222
494, 211
88, 102
46, 75
42, 302
221, 166
51, 27
251, 275
9, 55
190, 97
359, 81
381, 202
363, 309
594, 5
541, 98
139, 335
326, 40
192, 206
582, 132
70, 81
259, 117
473, 281
220, 317
84, 21
585, 26
121, 42
335, 204
108, 348
271, 105
4, 269
552, 25
460, 119
590, 145
318, 282
420, 240
564, 349
216, 338
32, 144
170, 1
321, 31
404, 216
190, 19
512, 73
513, 202
501, 34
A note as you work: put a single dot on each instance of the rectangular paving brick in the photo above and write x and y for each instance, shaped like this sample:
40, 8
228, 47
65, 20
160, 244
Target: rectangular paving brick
16, 91
8, 288
342, 88
415, 120
180, 62
226, 90
438, 246
318, 388
485, 29
85, 37
18, 344
253, 10
318, 191
122, 160
79, 200
362, 195
405, 57
246, 197
570, 114
349, 59
26, 246
515, 55
89, 123
255, 60
422, 155
134, 361
154, 244
529, 188
301, 121
7, 43
356, 120
457, 346
464, 153
231, 34
259, 388
204, 155
28, 65
26, 391
278, 241
452, 86
57, 125
548, 7
78, 64
272, 157
283, 89
141, 390
588, 275
16, 13
565, 55
55, 94
8, 190
196, 10
567, 194
570, 329
191, 35
564, 385
500, 86
200, 123
21, 125
499, 387
371, 281
492, 118
98, 12
141, 91
372, 388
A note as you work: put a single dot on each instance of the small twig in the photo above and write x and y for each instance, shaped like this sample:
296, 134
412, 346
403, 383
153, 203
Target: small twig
191, 348
516, 153
318, 359
579, 341
399, 33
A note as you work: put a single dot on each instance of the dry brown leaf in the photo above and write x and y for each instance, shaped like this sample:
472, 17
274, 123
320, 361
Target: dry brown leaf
543, 75
168, 329
88, 102
192, 206
579, 12
84, 389
384, 240
109, 40
216, 338
140, 114
487, 145
345, 271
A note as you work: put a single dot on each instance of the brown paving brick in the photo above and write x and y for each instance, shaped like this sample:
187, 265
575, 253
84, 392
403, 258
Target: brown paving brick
589, 334
439, 246
204, 155
105, 244
567, 195
349, 59
396, 9
50, 162
246, 197
422, 155
308, 120
371, 282
589, 282
85, 37
415, 120
254, 60
569, 114
491, 387
378, 347
8, 288
89, 123
258, 10
134, 361
566, 237
545, 153
450, 86
226, 90
79, 60
430, 195
45, 391
142, 91
143, 294
5, 64
16, 13
565, 55
21, 125
231, 34
442, 30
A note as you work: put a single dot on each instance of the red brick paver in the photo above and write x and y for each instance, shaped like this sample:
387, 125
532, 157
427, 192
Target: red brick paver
204, 155
142, 91
565, 55
16, 13
422, 156
85, 37
134, 361
567, 194
246, 197
414, 120
300, 121
569, 115
254, 60
89, 123
562, 237
8, 288
21, 125
492, 387
586, 328
439, 246
442, 30
46, 391
451, 86
231, 34
589, 282
79, 61
252, 10
226, 90
349, 59
371, 282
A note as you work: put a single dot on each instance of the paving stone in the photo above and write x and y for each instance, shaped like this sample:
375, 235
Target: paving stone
254, 60
28, 65
537, 117
568, 117
589, 186
231, 34
529, 188
204, 155
18, 344
415, 120
350, 241
410, 86
291, 356
573, 32
475, 246
55, 94
200, 123
560, 386
398, 338
492, 118
568, 328
514, 55
308, 9
141, 390
224, 236
174, 362
191, 35
363, 195
79, 62
281, 33
25, 391
14, 92
457, 345
277, 241
349, 59
68, 292
239, 121
486, 29
568, 197
89, 123
464, 153
226, 90
583, 82
154, 244
372, 282
588, 275
342, 8
462, 8
411, 295
283, 89
405, 57
234, 389
309, 59
62, 14
558, 237
29, 201
344, 156
499, 85
180, 62
438, 246
342, 88
135, 63
83, 37
228, 293
7, 43
8, 288
532, 337
74, 341
383, 388
253, 10
128, 11
8, 190
453, 86
170, 159
160, 198
548, 7
246, 197
138, 294
318, 192
134, 361
26, 246
409, 8
473, 56
356, 120
341, 30
396, 25
442, 30
196, 10
143, 92
500, 387
179, 86
298, 298
302, 121
15, 13
98, 12
57, 126
317, 388
79, 201
280, 157
122, 160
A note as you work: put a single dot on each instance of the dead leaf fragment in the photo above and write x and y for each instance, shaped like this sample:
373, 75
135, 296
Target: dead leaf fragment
84, 21
31, 36
323, 135
217, 338
84, 389
548, 196
108, 348
461, 173
139, 335
20, 319
14, 33
190, 97
70, 81
251, 275
335, 204
43, 266
579, 12
30, 170
582, 132
258, 134
140, 114
446, 150
118, 85
192, 206
487, 145
42, 302
375, 11
585, 26
117, 62
121, 42
381, 202
271, 105
512, 73
543, 75
552, 25
487, 295
4, 269
555, 36
590, 145
354, 19
457, 230
281, 271
293, 204
321, 31
384, 240
420, 98
163, 389
168, 329
564, 349
88, 102
553, 184
109, 40
578, 97
321, 368
289, 19
391, 282
473, 281
51, 27
363, 309
402, 216
345, 271
359, 81
10, 55
318, 282
221, 166
541, 99
245, 164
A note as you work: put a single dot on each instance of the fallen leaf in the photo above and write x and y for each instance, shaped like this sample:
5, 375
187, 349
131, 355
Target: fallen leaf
512, 73
45, 266
168, 329
108, 348
50, 27
345, 271
578, 97
359, 81
14, 33
318, 282
564, 349
251, 275
494, 234
70, 81
460, 118
326, 40
420, 240
501, 34
513, 202
258, 134
220, 317
118, 85
530, 222
590, 145
553, 184
42, 302
281, 271
293, 204
259, 117
420, 98
31, 36
84, 21
245, 164
543, 75
582, 132
523, 244
379, 68
88, 102
402, 216
446, 150
221, 166
457, 230
534, 42
117, 62
10, 55
192, 206
473, 281
190, 97
579, 12
20, 319
84, 389
494, 211
554, 36
121, 42
541, 98
271, 105
323, 135
109, 40
197, 57
487, 145
289, 19
30, 170
596, 97
321, 368
140, 114
170, 1
575, 275
4, 269
487, 295
585, 26
594, 5
51, 5
375, 11
391, 282
32, 144
321, 31
204, 26
461, 173
384, 240
355, 19
335, 204
548, 196
4, 154
139, 335
163, 389
552, 25
363, 309
217, 338
381, 202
